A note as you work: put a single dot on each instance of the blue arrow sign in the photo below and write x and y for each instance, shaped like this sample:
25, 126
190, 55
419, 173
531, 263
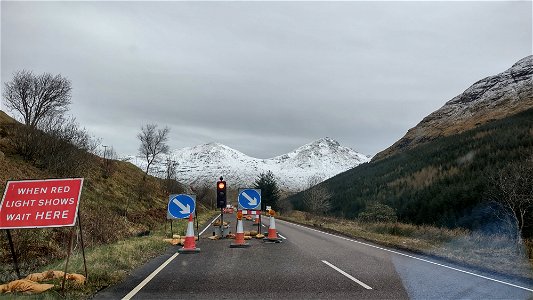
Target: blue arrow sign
181, 206
250, 199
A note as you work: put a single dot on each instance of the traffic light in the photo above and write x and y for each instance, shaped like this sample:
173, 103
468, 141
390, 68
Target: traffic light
221, 193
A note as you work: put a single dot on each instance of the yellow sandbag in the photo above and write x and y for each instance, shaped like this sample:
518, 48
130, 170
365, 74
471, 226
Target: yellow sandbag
53, 274
246, 233
214, 237
259, 236
25, 286
247, 237
253, 233
231, 236
78, 278
176, 236
37, 277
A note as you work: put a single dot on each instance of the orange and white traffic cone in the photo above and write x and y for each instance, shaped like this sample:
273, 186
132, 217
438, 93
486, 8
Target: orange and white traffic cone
256, 221
272, 232
239, 235
190, 245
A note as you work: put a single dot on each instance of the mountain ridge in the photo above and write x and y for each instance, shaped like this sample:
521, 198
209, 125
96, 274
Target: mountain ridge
205, 163
491, 98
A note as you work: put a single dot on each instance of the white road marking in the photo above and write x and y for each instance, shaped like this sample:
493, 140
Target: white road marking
417, 258
263, 225
347, 275
282, 236
161, 267
206, 227
147, 279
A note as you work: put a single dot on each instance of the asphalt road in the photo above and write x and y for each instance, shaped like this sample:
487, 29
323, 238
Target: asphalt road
308, 264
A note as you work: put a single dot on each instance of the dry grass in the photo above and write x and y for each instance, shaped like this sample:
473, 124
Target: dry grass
493, 252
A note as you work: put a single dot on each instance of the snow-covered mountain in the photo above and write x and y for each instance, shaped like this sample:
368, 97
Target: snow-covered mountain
204, 164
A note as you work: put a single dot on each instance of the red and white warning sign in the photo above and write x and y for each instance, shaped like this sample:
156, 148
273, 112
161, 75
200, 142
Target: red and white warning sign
40, 203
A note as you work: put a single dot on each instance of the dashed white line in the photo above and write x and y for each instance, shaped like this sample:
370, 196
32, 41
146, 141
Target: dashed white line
348, 275
147, 279
282, 236
417, 258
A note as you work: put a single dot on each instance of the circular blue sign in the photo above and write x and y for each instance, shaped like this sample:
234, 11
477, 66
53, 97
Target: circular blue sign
250, 199
181, 206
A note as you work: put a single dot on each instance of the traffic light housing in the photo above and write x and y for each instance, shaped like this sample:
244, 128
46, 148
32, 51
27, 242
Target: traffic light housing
221, 193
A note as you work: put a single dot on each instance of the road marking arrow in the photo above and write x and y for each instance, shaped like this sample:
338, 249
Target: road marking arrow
184, 209
253, 202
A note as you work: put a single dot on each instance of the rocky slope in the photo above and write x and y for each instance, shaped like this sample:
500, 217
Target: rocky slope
492, 98
204, 164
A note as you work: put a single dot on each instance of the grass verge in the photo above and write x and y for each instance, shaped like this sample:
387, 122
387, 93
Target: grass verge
495, 253
110, 264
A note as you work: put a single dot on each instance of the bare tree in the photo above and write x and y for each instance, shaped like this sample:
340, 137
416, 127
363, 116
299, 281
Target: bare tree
109, 164
513, 191
317, 198
153, 143
171, 180
35, 97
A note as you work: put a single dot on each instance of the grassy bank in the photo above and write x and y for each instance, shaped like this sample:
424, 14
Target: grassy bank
497, 253
110, 264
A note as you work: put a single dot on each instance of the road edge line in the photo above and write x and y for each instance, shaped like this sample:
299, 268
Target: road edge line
206, 227
347, 275
414, 257
150, 277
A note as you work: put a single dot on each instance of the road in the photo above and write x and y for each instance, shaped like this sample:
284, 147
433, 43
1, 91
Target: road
308, 264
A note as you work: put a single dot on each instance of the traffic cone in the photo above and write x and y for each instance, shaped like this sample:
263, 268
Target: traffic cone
256, 221
272, 232
190, 245
239, 236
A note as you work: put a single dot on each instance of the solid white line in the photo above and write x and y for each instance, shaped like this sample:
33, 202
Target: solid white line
347, 275
417, 258
206, 227
147, 279
282, 236
161, 267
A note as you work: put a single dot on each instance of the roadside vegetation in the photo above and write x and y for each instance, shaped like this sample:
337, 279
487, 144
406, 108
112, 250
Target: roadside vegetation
122, 208
479, 180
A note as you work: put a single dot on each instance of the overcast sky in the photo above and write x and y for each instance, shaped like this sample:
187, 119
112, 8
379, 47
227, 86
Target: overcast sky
262, 77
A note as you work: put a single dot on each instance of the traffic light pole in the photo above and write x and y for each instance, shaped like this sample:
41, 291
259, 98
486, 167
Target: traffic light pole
222, 223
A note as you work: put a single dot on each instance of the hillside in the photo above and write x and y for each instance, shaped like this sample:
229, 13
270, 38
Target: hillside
112, 206
489, 99
443, 182
204, 164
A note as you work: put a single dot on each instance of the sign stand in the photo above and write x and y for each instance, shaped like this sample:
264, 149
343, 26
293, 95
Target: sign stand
259, 225
13, 254
196, 217
171, 229
83, 249
68, 258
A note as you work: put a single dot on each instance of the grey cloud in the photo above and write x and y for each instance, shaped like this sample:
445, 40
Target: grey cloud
263, 77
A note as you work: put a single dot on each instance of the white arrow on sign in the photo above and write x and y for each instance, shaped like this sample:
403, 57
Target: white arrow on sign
184, 209
253, 202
